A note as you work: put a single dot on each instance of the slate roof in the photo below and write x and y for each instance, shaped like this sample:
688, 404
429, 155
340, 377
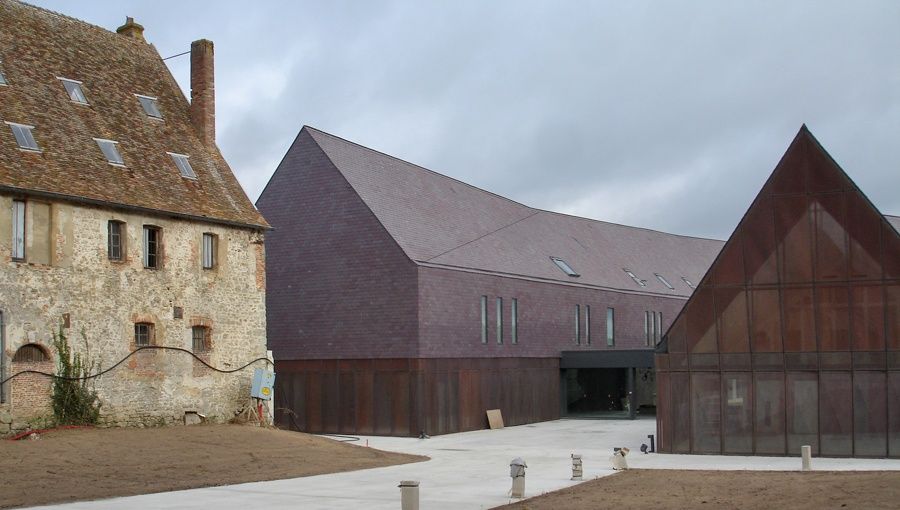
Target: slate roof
38, 46
442, 222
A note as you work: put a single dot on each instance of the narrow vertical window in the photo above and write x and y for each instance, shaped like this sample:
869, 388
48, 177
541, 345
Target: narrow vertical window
578, 324
484, 319
658, 327
209, 249
610, 327
514, 320
587, 324
143, 334
152, 251
18, 230
499, 320
115, 240
200, 338
647, 332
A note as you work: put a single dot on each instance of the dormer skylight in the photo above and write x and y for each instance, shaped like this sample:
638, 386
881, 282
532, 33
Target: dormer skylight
150, 106
73, 88
184, 166
663, 280
642, 283
687, 282
565, 267
110, 151
24, 137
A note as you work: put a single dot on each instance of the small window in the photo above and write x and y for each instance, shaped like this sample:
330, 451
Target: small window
143, 334
18, 230
184, 166
610, 327
24, 136
73, 88
150, 106
587, 324
642, 283
152, 248
200, 338
578, 324
110, 151
663, 280
115, 240
658, 328
209, 250
484, 319
514, 321
687, 282
499, 320
647, 332
30, 353
565, 267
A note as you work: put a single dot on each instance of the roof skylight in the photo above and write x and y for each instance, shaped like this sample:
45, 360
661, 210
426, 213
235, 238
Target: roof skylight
110, 151
2, 78
150, 106
565, 267
73, 88
24, 137
688, 282
642, 283
184, 166
663, 280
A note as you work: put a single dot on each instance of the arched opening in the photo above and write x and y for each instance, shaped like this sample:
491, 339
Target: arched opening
31, 353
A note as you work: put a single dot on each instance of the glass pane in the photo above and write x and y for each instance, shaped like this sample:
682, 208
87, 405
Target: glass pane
738, 419
892, 314
802, 411
729, 268
765, 314
894, 413
799, 332
610, 327
701, 324
577, 324
75, 92
706, 412
833, 318
870, 413
499, 312
150, 107
758, 232
835, 417
868, 318
824, 174
769, 425
831, 239
676, 334
484, 319
792, 228
681, 413
731, 307
514, 321
18, 233
790, 174
863, 225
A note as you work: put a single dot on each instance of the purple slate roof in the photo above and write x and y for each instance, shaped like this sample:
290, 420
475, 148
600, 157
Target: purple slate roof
442, 222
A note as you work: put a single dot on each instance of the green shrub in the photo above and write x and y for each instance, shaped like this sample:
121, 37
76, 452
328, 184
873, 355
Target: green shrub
74, 399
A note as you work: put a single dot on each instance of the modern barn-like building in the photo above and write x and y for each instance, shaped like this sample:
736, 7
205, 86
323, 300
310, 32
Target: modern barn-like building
403, 301
793, 336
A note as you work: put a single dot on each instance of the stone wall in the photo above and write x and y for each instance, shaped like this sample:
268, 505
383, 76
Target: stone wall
68, 282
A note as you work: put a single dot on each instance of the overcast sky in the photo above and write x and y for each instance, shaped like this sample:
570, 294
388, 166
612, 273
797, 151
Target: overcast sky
668, 115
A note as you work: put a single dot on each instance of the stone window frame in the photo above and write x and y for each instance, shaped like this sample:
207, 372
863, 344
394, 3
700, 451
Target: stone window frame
158, 253
123, 240
151, 334
207, 338
209, 253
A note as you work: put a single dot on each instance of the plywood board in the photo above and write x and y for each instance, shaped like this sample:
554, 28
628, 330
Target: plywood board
495, 419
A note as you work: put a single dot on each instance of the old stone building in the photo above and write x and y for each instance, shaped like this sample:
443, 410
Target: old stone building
121, 223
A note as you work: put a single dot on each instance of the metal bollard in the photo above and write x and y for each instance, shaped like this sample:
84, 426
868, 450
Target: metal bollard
806, 462
409, 495
517, 472
577, 470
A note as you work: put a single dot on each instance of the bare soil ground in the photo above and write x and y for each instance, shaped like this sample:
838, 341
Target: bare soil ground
70, 465
764, 490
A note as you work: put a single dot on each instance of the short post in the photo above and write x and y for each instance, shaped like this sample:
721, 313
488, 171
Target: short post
577, 471
409, 495
517, 472
652, 443
806, 455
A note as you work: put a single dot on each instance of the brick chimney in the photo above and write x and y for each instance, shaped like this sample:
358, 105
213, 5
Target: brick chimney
131, 29
203, 91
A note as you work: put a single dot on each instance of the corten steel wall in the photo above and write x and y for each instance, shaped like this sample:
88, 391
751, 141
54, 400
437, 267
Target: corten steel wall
793, 337
338, 286
408, 396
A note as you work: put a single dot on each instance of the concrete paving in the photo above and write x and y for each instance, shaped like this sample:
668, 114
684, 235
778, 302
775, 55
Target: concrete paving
468, 470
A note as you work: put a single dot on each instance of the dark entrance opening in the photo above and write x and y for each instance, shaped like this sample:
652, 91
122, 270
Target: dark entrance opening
607, 384
597, 391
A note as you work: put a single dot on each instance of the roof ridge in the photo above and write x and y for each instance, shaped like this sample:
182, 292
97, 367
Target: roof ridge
67, 18
629, 226
376, 151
